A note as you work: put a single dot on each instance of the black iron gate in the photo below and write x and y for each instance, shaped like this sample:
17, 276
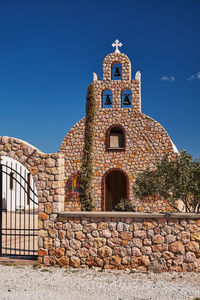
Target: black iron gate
18, 212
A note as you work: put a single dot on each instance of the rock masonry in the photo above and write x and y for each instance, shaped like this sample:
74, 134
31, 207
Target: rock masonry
115, 242
48, 174
135, 242
145, 140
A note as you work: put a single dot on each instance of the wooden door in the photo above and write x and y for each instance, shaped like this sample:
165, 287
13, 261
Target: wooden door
115, 189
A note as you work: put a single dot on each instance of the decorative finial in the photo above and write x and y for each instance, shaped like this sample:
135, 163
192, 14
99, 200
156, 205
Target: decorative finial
117, 44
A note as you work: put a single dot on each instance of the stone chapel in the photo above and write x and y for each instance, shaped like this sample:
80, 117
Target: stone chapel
125, 140
40, 215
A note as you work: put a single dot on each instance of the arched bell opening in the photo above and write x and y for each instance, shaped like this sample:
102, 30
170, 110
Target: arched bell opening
107, 99
116, 72
126, 99
18, 210
115, 188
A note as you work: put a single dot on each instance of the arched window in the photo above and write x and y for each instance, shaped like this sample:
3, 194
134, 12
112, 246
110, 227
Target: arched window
107, 99
117, 71
115, 139
76, 183
126, 99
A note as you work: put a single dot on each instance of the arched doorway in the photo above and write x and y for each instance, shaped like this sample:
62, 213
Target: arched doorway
18, 210
115, 188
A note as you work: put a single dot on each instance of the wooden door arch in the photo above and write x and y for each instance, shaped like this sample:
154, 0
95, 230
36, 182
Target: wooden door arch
115, 186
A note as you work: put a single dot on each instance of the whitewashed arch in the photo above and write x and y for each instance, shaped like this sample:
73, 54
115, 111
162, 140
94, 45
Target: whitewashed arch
16, 198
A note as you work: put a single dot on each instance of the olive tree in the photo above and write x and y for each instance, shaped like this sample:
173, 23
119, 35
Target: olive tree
172, 179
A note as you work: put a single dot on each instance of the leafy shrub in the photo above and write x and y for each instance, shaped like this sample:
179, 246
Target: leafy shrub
124, 205
172, 179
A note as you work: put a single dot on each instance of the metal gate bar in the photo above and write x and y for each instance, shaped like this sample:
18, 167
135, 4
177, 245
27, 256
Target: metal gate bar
18, 213
0, 208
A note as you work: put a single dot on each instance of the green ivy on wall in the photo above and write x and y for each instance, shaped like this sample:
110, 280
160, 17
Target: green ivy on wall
86, 176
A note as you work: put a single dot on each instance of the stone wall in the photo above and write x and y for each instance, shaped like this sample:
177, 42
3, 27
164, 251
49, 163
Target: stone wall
72, 150
112, 240
146, 242
146, 142
48, 174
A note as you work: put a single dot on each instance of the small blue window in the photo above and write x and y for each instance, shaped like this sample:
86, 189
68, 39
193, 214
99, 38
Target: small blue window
117, 71
107, 99
127, 99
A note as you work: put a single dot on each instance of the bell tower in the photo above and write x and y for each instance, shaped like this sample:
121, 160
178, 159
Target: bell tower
117, 90
125, 141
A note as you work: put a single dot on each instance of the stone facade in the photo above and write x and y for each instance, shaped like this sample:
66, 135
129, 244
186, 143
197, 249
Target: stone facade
145, 140
123, 241
72, 149
119, 241
48, 173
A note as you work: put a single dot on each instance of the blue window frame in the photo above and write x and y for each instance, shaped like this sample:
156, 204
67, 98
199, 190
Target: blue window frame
126, 99
107, 99
117, 71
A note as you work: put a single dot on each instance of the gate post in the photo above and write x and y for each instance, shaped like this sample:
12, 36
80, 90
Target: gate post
0, 207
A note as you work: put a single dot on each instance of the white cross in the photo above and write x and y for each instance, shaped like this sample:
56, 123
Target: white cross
117, 44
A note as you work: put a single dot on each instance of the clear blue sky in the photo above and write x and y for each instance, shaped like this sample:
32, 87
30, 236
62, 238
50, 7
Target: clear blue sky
50, 48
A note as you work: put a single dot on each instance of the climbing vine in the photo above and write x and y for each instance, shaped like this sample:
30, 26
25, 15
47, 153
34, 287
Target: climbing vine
86, 176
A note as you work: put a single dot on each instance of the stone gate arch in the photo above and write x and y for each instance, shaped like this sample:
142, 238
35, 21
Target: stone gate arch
47, 171
18, 210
